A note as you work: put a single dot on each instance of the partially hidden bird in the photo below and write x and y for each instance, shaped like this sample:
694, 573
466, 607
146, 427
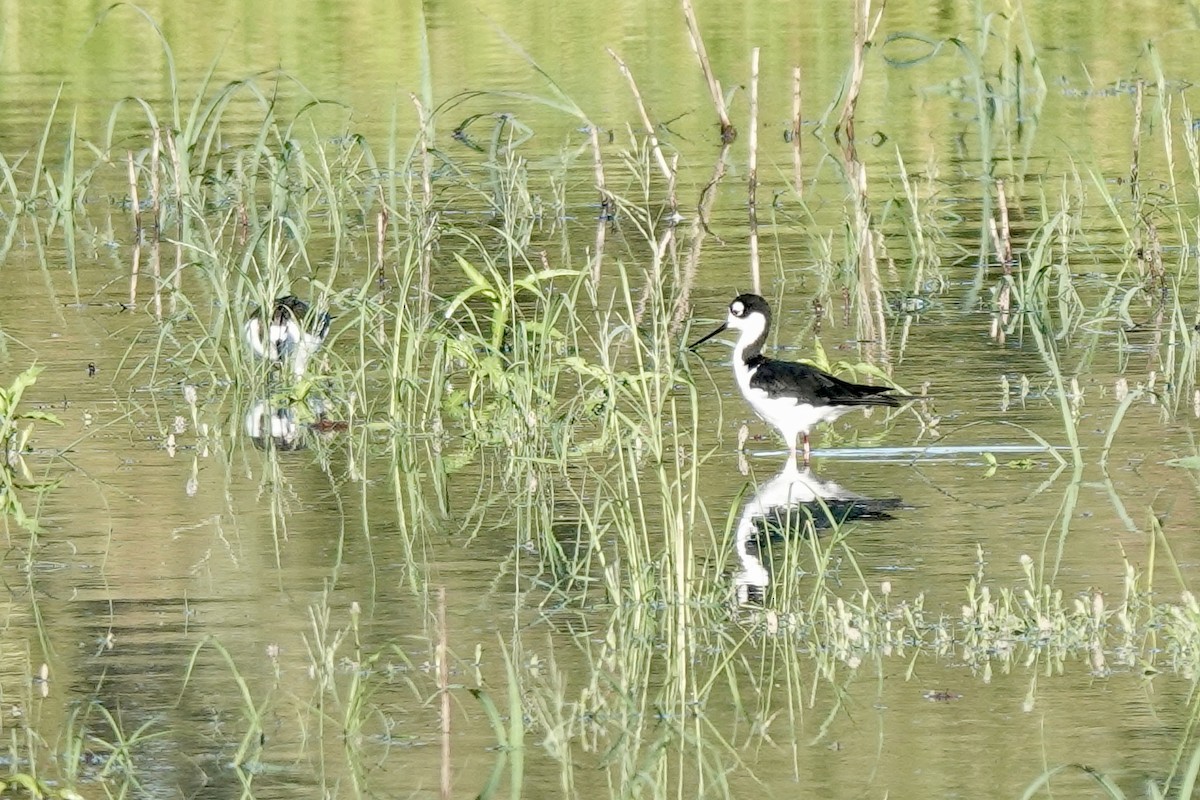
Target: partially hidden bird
290, 334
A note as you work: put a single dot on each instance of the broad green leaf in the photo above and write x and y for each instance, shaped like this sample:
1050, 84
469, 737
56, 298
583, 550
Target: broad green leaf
475, 276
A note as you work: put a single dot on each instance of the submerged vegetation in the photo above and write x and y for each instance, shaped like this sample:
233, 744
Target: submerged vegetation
516, 322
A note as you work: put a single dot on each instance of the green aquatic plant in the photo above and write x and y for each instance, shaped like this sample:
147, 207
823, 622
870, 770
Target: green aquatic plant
248, 754
16, 431
510, 736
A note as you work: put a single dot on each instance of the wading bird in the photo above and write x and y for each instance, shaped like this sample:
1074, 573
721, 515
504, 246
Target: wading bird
291, 334
791, 396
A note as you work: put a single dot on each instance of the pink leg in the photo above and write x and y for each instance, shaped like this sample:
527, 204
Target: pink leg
806, 450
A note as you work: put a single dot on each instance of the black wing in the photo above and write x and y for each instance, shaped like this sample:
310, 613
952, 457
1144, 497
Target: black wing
811, 385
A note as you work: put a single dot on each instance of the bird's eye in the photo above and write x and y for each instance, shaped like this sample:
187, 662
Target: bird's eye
737, 308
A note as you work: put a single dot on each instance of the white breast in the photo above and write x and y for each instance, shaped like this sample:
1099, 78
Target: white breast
787, 414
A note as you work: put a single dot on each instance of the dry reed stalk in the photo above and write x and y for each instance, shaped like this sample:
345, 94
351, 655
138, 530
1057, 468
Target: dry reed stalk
1157, 289
870, 293
709, 192
243, 222
156, 271
135, 202
1004, 299
1134, 166
994, 232
797, 174
868, 281
443, 680
864, 30
752, 178
156, 210
728, 132
381, 220
427, 223
699, 231
664, 245
155, 189
606, 205
1154, 259
651, 136
684, 278
1006, 251
674, 166
177, 170
133, 273
1002, 242
1134, 169
426, 158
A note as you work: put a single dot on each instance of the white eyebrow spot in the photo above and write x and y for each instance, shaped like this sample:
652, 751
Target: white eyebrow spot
737, 308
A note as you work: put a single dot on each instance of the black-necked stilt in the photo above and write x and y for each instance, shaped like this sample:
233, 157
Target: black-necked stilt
291, 333
793, 397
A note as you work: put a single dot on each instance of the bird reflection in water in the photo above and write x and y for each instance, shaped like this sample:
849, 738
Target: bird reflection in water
794, 502
280, 425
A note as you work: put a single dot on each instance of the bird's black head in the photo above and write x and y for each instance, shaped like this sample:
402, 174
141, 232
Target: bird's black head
746, 304
747, 311
751, 315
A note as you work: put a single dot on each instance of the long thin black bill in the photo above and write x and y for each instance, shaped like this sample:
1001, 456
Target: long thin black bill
696, 344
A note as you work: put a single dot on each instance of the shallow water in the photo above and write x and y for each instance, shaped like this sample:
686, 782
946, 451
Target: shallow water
277, 609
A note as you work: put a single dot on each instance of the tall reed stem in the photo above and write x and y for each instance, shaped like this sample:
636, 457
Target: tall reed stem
651, 135
156, 211
752, 178
797, 170
1135, 164
606, 205
728, 132
135, 203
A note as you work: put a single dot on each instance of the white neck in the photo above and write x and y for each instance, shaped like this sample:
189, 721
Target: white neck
749, 331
